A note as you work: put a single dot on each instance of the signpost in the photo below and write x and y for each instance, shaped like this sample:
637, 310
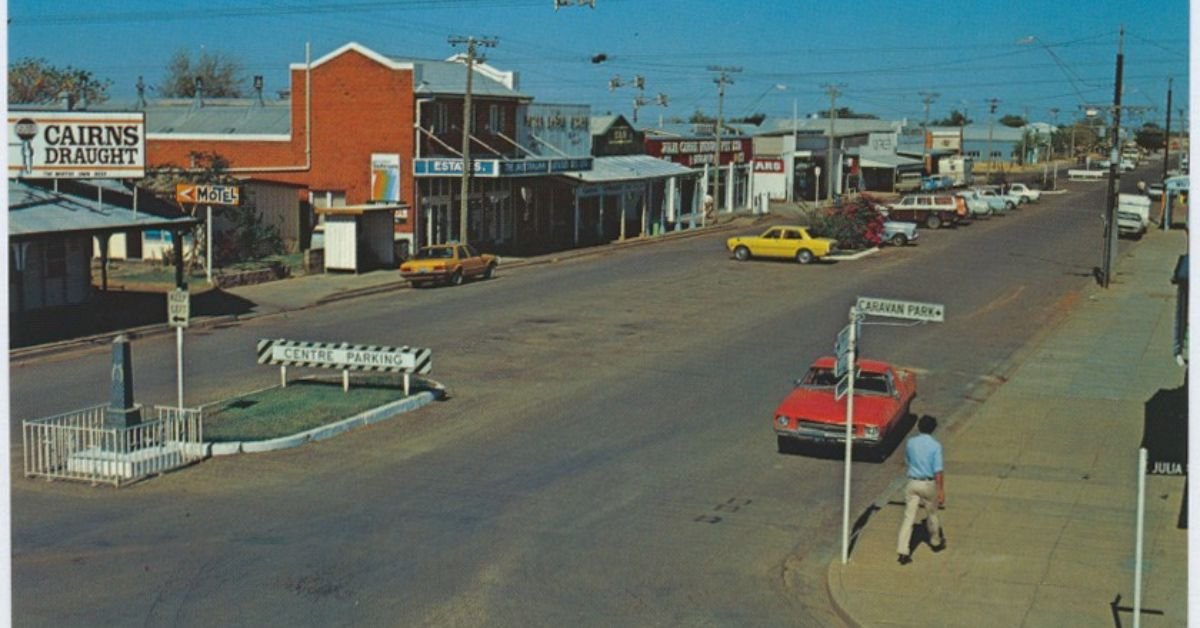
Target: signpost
846, 347
178, 313
194, 194
345, 357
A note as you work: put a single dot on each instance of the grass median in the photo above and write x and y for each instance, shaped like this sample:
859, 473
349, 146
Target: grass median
303, 405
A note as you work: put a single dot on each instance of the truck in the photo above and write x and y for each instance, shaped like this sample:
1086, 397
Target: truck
1133, 215
958, 169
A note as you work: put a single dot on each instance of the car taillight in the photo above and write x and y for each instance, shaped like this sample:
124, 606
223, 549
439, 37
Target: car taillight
439, 267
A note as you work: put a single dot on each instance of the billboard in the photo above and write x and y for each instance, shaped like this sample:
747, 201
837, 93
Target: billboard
385, 177
76, 145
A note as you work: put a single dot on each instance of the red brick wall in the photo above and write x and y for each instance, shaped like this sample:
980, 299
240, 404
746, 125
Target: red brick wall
359, 107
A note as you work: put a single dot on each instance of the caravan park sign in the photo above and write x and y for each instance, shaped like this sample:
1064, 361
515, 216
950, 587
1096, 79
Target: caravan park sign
76, 145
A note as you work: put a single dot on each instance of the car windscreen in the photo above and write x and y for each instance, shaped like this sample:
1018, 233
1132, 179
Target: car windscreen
440, 252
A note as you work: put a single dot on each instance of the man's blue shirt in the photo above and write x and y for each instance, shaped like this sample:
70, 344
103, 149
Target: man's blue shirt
924, 456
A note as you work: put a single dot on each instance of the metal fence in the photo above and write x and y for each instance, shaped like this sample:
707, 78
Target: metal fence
77, 446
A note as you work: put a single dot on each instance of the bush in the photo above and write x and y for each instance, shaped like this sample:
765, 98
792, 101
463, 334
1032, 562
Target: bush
855, 224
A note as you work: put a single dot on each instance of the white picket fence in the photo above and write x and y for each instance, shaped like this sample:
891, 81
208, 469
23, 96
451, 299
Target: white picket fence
77, 446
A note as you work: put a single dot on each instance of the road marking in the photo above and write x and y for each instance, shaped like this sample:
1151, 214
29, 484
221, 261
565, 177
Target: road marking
1004, 300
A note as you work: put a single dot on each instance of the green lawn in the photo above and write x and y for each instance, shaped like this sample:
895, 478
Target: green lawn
303, 405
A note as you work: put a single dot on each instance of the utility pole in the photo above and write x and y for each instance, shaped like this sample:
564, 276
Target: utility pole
1024, 134
834, 90
1114, 172
471, 43
1053, 131
991, 120
927, 142
721, 80
1167, 134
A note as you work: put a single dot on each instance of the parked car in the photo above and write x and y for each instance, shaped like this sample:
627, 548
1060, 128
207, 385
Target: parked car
787, 242
931, 210
899, 232
1133, 215
1027, 194
449, 264
1154, 191
1010, 202
1127, 165
997, 203
908, 182
977, 205
883, 398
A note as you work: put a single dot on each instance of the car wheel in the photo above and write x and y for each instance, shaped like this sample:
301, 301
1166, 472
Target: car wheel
899, 240
804, 256
1010, 205
1024, 200
933, 221
490, 271
741, 254
457, 278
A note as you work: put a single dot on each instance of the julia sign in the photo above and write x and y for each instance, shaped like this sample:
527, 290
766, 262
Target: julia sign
76, 145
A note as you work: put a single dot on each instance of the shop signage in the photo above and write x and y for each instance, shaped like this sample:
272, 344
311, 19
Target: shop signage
193, 194
76, 145
385, 177
498, 168
769, 165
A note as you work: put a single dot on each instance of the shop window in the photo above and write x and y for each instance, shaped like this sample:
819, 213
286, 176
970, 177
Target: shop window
496, 118
441, 117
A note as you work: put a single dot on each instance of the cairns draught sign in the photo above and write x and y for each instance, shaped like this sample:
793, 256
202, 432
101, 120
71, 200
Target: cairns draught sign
76, 145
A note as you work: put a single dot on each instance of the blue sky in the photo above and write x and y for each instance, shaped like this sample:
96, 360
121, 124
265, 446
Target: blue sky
882, 53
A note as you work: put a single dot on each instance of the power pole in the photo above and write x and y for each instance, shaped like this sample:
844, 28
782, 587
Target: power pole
471, 43
721, 80
1167, 134
927, 142
1024, 134
1053, 131
991, 119
834, 90
1114, 172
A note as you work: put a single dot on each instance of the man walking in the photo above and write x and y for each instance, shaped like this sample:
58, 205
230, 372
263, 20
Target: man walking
924, 489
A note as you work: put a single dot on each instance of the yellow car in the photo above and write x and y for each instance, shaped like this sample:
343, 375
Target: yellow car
447, 263
782, 242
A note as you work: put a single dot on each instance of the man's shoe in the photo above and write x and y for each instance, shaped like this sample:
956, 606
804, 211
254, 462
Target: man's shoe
940, 546
904, 559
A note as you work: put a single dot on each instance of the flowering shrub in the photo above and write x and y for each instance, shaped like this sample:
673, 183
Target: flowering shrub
855, 223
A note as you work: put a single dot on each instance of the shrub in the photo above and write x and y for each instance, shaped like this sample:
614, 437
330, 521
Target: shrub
854, 223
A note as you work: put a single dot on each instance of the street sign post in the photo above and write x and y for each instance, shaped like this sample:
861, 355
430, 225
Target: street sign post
894, 308
842, 387
178, 312
178, 308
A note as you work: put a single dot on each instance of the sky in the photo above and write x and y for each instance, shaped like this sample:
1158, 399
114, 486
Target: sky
883, 56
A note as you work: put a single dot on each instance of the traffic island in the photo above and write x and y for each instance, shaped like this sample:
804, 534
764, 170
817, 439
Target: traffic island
307, 410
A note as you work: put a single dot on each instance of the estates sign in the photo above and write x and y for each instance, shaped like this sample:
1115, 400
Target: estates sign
76, 145
912, 310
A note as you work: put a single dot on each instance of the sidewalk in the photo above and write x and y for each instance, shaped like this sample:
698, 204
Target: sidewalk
1041, 483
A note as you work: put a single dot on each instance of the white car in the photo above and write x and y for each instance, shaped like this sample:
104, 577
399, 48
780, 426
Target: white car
1027, 194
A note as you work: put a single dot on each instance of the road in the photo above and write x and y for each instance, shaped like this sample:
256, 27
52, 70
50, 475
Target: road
606, 457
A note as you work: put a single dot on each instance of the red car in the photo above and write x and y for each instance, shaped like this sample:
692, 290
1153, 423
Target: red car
883, 395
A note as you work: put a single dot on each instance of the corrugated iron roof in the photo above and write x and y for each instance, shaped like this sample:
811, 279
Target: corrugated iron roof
450, 78
35, 210
630, 168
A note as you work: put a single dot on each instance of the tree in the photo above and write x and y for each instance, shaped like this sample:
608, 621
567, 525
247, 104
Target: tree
247, 238
1150, 137
756, 119
956, 118
854, 223
1012, 120
846, 112
34, 81
220, 75
700, 116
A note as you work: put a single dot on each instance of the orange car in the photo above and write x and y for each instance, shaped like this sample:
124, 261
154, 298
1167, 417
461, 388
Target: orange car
447, 263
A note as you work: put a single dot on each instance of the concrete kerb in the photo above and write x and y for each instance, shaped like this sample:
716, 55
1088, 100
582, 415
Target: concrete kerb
323, 432
975, 397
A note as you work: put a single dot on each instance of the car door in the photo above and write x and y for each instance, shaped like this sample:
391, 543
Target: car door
769, 244
472, 262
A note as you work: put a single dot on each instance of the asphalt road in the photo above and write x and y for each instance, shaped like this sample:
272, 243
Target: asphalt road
606, 457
